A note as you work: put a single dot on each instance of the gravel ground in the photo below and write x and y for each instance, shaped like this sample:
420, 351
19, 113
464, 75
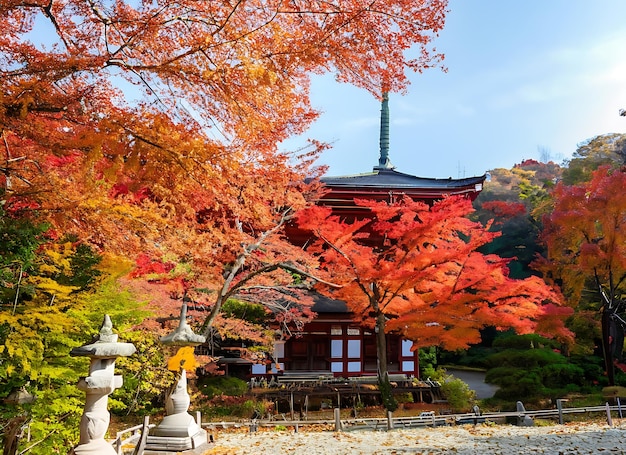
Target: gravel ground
573, 438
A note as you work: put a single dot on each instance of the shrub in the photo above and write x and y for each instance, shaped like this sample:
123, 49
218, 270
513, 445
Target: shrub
559, 375
530, 374
523, 342
386, 395
427, 358
212, 386
504, 377
592, 366
460, 397
404, 397
222, 406
531, 358
438, 374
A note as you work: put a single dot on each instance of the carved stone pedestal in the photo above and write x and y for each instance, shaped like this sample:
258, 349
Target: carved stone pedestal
178, 431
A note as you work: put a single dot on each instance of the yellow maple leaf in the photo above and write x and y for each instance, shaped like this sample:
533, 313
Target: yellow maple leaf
184, 358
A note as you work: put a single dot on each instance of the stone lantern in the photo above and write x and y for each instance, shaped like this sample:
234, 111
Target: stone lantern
98, 385
178, 431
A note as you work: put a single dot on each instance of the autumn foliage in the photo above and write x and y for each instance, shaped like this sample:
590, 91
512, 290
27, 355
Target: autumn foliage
151, 130
586, 248
417, 268
585, 234
134, 100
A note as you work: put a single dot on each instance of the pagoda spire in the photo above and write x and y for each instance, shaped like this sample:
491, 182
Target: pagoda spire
383, 160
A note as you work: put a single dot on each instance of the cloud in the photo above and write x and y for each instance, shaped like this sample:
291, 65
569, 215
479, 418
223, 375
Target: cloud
561, 72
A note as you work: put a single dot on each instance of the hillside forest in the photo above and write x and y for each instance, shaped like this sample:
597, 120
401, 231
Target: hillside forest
141, 167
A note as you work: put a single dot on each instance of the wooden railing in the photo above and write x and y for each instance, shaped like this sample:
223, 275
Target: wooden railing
130, 436
426, 419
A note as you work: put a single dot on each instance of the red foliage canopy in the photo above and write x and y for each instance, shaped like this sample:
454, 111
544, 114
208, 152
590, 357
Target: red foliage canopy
419, 266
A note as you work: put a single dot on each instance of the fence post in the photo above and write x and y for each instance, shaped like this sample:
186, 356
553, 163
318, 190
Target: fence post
609, 420
141, 444
523, 419
559, 406
389, 420
118, 444
337, 419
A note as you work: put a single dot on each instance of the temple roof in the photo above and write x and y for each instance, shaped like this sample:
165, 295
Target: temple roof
392, 179
384, 176
325, 304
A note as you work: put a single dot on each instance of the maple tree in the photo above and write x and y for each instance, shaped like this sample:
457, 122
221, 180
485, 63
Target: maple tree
53, 292
414, 269
515, 199
90, 86
153, 127
585, 240
150, 130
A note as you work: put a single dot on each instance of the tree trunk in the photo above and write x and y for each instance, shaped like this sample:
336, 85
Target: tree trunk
608, 346
11, 435
384, 386
381, 346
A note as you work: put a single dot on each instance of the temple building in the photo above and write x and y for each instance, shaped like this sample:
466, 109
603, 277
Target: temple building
333, 342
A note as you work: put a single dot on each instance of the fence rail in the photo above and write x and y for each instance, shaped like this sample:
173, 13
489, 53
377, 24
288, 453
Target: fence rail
131, 436
429, 420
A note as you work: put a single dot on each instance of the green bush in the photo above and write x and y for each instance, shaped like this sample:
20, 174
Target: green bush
592, 366
533, 373
504, 377
460, 397
438, 374
559, 375
532, 358
427, 358
227, 406
515, 385
386, 395
404, 397
474, 357
523, 342
458, 394
212, 386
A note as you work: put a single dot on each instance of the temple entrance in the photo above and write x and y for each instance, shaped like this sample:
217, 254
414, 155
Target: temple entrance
310, 354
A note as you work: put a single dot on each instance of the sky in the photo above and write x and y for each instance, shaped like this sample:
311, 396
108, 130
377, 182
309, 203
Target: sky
525, 79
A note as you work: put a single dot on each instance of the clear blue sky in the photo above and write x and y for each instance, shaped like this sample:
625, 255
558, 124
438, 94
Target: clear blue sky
522, 75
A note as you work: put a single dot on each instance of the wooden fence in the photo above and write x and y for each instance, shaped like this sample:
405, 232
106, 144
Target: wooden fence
521, 416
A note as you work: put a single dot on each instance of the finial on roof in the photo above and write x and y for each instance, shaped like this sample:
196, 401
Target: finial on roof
383, 161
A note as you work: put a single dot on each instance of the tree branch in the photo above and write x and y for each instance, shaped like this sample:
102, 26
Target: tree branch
226, 290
